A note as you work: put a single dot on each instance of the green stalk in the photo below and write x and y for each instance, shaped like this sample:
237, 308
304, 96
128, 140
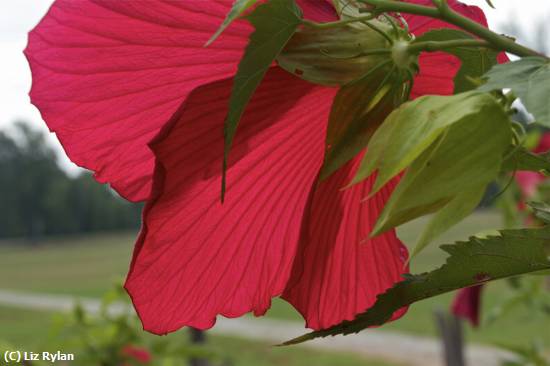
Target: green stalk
336, 24
445, 13
501, 42
432, 46
385, 6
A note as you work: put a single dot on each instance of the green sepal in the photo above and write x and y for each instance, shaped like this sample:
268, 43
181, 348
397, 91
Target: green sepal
520, 159
412, 128
452, 171
451, 214
357, 112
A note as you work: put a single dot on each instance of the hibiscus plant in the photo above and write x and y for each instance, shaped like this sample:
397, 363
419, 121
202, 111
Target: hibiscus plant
278, 152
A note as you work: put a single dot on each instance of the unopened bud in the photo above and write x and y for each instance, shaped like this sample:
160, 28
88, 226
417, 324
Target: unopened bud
340, 55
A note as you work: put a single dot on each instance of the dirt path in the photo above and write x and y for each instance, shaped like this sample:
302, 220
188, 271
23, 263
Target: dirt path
395, 347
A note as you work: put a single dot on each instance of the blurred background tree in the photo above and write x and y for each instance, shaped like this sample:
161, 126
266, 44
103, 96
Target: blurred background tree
39, 198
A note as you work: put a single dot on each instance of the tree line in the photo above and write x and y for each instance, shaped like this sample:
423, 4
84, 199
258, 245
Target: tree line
38, 198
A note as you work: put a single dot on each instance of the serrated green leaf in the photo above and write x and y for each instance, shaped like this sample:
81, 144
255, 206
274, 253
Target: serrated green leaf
238, 8
357, 111
465, 158
513, 253
520, 159
529, 79
275, 22
412, 128
475, 61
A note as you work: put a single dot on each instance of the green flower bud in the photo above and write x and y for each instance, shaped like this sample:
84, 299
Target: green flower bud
337, 56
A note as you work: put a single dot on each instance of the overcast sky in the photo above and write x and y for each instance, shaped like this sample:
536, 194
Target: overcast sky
17, 17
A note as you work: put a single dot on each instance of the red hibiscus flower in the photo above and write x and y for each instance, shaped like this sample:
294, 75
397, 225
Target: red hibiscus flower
138, 354
133, 94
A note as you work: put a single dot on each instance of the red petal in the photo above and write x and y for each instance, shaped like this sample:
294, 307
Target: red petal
467, 303
338, 271
436, 76
197, 258
438, 69
318, 10
107, 75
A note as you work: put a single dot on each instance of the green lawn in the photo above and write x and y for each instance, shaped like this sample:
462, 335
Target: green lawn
29, 330
85, 266
88, 266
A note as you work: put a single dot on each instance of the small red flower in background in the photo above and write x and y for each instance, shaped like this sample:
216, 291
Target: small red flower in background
133, 94
529, 181
135, 353
467, 304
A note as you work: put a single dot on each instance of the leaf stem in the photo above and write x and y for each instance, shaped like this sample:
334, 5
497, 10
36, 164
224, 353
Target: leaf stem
443, 12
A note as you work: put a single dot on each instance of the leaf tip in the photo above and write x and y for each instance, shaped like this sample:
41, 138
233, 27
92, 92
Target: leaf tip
297, 340
210, 41
224, 179
378, 229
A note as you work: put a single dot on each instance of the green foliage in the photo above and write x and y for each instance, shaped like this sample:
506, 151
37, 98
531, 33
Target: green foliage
115, 337
529, 79
41, 199
7, 347
274, 22
478, 260
453, 148
533, 355
475, 61
238, 8
529, 292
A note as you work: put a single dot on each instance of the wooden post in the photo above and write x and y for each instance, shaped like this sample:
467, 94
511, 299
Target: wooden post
450, 330
198, 337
